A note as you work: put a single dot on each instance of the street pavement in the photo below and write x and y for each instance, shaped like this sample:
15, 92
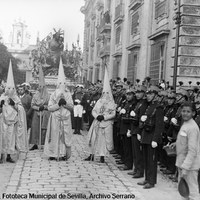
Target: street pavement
77, 179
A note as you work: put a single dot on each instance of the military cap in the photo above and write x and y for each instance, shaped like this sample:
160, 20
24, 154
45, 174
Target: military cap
171, 95
140, 88
183, 92
153, 89
79, 85
191, 88
163, 93
119, 84
131, 90
25, 84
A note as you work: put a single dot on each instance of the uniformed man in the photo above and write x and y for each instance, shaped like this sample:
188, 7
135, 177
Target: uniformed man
119, 97
79, 108
197, 104
191, 90
136, 114
197, 119
94, 97
169, 112
162, 101
26, 102
153, 125
182, 95
125, 128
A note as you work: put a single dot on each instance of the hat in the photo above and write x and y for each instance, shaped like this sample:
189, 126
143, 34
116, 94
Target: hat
25, 84
183, 92
183, 188
119, 84
79, 85
140, 88
153, 89
163, 93
171, 95
131, 90
190, 88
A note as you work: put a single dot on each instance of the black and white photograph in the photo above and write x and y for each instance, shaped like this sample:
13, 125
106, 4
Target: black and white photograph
100, 99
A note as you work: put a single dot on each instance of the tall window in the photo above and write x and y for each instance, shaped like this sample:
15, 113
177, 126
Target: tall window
116, 68
118, 35
134, 23
132, 64
157, 62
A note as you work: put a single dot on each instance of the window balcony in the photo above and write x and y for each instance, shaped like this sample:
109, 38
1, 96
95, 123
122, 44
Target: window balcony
104, 51
134, 4
105, 25
119, 13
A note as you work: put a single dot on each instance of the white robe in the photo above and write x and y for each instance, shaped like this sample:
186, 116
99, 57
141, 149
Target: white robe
1, 133
100, 135
13, 127
59, 130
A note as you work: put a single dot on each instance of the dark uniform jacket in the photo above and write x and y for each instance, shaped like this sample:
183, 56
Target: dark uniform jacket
154, 124
174, 129
139, 110
26, 102
125, 119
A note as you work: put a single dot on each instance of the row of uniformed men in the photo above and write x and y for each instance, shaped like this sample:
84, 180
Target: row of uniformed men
148, 120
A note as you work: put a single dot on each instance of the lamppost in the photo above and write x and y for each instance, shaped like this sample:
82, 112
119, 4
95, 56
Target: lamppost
177, 20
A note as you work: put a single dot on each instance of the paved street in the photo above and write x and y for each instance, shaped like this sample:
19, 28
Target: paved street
35, 174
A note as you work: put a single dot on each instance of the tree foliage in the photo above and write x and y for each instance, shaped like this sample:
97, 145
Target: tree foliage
5, 58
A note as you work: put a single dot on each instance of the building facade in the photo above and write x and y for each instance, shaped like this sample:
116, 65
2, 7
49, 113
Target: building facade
20, 48
136, 39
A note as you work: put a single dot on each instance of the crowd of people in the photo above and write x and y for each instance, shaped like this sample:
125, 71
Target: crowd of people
142, 125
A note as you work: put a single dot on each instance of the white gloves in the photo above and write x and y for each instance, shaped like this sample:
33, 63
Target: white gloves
165, 118
119, 109
143, 118
92, 103
154, 144
122, 111
132, 114
84, 112
174, 121
77, 101
128, 133
139, 137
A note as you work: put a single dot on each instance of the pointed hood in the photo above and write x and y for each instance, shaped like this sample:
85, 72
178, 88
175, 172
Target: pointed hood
61, 82
10, 79
106, 83
61, 74
41, 97
107, 99
10, 85
41, 77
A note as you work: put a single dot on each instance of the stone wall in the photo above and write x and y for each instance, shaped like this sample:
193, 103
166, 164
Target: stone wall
189, 49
